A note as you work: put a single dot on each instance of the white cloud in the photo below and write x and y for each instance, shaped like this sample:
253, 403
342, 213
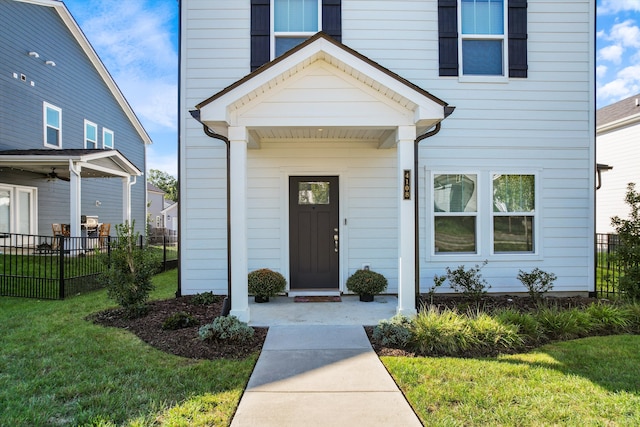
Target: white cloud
626, 33
163, 162
601, 71
608, 7
611, 53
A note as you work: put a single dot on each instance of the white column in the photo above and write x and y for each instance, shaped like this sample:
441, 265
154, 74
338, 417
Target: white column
238, 139
75, 199
405, 137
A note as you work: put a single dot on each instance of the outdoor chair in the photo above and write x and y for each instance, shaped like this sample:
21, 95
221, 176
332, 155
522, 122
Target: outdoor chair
103, 233
59, 230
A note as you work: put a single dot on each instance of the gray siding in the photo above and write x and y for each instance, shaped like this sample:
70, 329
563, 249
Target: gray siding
75, 86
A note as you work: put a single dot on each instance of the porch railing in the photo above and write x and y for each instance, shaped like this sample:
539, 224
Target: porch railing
48, 267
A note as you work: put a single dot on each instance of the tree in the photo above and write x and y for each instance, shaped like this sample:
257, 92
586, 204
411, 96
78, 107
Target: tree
165, 182
628, 253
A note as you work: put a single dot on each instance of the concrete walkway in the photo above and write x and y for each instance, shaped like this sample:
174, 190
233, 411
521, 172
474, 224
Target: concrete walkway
321, 375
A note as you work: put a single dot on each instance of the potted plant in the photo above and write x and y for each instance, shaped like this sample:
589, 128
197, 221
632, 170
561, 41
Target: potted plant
265, 283
366, 283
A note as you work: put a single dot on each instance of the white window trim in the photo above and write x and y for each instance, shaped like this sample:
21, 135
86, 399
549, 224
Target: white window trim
15, 212
86, 139
274, 34
113, 138
45, 125
473, 78
477, 214
535, 214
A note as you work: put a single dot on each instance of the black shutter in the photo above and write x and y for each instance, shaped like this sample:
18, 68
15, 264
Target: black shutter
260, 33
518, 38
448, 37
332, 18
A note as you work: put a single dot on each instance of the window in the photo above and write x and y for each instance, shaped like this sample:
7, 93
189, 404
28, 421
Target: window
52, 118
513, 213
492, 40
294, 21
279, 25
107, 138
455, 206
483, 37
17, 209
90, 135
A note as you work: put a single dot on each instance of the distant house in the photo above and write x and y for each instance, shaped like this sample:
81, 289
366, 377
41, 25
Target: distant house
155, 205
70, 144
617, 146
170, 216
404, 136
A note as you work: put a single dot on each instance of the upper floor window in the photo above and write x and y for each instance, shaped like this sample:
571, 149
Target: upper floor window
90, 134
294, 21
52, 118
107, 138
482, 38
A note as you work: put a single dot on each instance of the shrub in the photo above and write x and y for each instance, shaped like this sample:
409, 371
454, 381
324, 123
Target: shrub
628, 252
470, 282
266, 283
226, 328
366, 282
205, 298
129, 272
634, 317
179, 320
563, 324
528, 327
492, 334
443, 332
609, 318
537, 282
394, 332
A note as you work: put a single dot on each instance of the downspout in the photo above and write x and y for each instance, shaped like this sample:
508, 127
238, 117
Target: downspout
447, 112
226, 305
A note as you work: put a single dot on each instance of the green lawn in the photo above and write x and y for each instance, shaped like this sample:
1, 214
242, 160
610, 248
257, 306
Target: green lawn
58, 369
590, 381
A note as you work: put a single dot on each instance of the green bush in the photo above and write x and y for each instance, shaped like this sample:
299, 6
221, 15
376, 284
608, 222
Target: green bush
179, 320
469, 282
634, 317
226, 328
205, 298
266, 283
445, 332
528, 327
493, 334
628, 252
366, 282
558, 324
129, 272
394, 332
609, 318
537, 282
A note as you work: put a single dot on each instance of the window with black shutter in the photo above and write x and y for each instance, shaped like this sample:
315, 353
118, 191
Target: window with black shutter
482, 38
294, 22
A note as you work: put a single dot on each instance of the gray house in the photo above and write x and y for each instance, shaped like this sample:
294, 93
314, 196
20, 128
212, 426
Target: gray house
70, 144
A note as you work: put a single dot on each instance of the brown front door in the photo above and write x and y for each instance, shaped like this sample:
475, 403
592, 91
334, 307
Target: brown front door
313, 232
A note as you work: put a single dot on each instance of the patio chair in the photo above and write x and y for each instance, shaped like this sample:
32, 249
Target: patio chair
103, 233
59, 230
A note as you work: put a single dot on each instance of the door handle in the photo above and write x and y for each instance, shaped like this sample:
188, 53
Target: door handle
335, 239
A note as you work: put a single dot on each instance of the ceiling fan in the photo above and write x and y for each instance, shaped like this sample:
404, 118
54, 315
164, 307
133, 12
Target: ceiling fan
53, 176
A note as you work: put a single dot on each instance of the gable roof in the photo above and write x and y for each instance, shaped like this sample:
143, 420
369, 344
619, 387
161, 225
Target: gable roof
154, 189
83, 42
621, 113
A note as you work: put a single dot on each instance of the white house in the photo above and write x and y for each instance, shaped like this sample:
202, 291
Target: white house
405, 136
618, 146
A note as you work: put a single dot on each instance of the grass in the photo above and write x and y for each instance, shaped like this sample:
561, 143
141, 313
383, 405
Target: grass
58, 369
589, 381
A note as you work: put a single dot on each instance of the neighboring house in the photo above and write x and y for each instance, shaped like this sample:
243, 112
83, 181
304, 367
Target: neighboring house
70, 144
618, 146
323, 175
170, 216
155, 205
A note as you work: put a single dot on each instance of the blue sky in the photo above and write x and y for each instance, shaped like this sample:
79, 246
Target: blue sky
138, 42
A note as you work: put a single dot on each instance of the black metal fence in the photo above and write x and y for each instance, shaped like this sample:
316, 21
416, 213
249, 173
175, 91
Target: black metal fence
48, 267
608, 270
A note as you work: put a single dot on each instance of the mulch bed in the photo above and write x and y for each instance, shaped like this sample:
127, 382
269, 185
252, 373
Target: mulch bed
181, 342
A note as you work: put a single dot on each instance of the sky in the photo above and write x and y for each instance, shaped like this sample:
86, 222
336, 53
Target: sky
137, 40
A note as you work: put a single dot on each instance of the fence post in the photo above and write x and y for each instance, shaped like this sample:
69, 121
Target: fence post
164, 252
61, 269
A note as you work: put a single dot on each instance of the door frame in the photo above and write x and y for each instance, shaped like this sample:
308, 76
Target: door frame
342, 228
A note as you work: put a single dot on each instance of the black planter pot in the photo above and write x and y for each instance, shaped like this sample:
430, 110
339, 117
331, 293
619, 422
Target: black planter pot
260, 299
366, 298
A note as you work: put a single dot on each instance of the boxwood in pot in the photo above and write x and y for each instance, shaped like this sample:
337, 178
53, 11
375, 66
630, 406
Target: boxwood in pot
265, 283
366, 283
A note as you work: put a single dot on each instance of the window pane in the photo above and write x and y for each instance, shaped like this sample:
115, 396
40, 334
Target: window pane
514, 193
24, 217
53, 136
482, 16
455, 234
284, 44
107, 139
91, 132
482, 57
53, 117
513, 234
313, 193
296, 15
5, 210
454, 193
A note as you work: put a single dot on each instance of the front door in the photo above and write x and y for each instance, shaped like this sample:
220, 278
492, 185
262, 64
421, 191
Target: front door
313, 232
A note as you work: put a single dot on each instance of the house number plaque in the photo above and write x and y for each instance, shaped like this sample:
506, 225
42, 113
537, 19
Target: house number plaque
406, 186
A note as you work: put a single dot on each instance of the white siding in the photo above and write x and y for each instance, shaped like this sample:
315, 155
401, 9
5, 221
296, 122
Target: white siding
542, 123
